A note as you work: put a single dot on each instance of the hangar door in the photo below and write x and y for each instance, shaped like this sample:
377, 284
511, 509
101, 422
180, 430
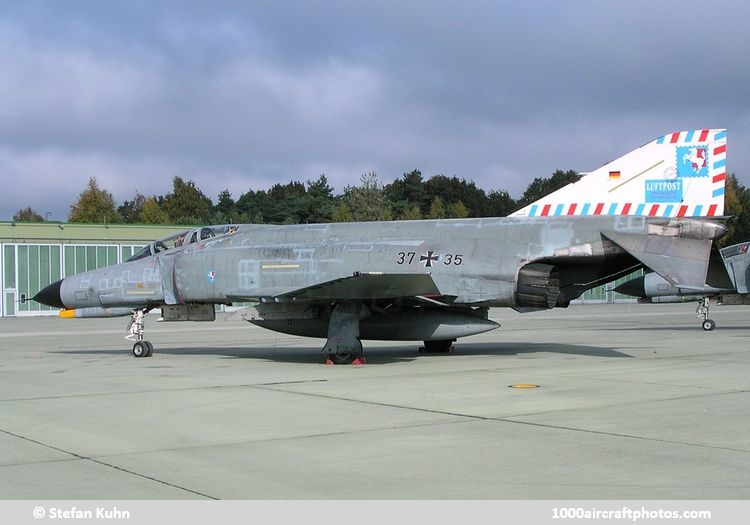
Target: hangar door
27, 268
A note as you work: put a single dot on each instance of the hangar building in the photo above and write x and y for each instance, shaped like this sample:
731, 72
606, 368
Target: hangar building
34, 255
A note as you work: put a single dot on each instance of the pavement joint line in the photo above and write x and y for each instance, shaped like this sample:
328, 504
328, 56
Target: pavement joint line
514, 421
154, 391
42, 462
109, 465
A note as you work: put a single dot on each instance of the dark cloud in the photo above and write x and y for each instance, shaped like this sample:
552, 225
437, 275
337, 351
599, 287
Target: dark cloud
239, 95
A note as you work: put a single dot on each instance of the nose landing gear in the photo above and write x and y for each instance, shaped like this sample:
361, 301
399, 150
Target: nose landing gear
703, 311
141, 348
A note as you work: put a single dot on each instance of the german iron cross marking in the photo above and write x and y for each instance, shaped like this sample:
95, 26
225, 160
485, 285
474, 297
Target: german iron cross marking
428, 259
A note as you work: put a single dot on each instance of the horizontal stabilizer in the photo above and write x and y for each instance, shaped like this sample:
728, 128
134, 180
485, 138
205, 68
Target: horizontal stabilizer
360, 286
681, 261
737, 261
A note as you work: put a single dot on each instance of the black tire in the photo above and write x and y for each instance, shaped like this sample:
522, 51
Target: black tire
708, 325
342, 358
150, 346
347, 358
140, 349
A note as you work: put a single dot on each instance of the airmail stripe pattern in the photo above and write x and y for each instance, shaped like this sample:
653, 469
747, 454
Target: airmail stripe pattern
680, 174
718, 164
623, 208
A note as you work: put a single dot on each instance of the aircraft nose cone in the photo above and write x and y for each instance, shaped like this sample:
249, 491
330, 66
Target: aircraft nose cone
634, 287
50, 295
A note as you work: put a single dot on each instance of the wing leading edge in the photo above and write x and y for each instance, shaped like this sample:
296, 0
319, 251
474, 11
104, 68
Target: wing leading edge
356, 287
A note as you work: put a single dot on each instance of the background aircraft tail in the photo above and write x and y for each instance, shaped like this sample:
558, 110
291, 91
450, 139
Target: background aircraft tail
680, 174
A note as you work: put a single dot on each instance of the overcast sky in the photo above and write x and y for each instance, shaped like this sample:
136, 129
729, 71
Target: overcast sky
241, 95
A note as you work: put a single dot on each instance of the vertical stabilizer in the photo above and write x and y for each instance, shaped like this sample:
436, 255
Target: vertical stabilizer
680, 174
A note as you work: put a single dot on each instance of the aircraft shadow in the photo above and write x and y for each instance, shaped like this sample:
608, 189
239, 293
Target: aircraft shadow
375, 355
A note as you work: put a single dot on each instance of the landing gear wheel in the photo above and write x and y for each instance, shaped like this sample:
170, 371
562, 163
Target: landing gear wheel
342, 358
704, 305
141, 349
347, 358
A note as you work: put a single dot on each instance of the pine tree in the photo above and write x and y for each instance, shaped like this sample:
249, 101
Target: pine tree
368, 201
27, 215
437, 208
411, 212
457, 210
187, 204
151, 213
94, 205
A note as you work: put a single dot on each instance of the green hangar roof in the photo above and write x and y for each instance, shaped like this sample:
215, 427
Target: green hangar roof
61, 232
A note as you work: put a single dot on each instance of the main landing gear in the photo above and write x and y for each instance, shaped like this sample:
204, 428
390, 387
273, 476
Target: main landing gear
703, 311
343, 345
141, 348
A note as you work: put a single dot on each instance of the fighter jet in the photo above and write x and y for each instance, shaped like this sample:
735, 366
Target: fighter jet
727, 284
432, 280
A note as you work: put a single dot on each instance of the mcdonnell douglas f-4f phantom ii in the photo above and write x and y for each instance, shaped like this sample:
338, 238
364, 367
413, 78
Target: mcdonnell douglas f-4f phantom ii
431, 280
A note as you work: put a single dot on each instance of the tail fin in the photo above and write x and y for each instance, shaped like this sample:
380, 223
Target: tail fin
680, 174
737, 261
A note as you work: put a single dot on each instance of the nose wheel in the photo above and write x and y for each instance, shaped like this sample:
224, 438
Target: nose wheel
136, 330
703, 311
143, 349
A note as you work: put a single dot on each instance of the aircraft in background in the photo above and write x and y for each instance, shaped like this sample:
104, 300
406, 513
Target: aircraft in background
726, 287
432, 280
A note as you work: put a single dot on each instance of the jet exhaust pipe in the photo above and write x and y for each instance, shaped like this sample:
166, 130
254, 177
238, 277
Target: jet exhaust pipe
538, 286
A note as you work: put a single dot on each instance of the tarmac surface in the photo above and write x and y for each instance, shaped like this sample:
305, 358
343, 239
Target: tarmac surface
633, 402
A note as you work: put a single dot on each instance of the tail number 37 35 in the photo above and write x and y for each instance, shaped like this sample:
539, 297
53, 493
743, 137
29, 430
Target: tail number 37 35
430, 258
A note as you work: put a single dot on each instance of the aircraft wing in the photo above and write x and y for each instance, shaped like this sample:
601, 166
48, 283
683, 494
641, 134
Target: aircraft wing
359, 286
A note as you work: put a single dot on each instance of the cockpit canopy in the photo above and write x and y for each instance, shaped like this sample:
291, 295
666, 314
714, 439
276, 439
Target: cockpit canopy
183, 238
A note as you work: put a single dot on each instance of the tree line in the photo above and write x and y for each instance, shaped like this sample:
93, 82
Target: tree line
411, 197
